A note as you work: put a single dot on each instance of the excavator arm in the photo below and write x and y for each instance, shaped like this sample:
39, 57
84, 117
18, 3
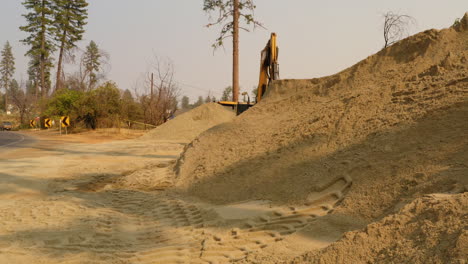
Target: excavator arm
269, 71
269, 67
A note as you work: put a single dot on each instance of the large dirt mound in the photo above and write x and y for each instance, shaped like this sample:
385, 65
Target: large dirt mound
433, 229
394, 125
189, 125
378, 121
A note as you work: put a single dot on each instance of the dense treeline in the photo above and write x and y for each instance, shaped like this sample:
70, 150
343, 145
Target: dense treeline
54, 27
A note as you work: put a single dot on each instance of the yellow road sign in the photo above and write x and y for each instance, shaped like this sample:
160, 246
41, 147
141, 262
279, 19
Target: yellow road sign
47, 122
32, 123
65, 120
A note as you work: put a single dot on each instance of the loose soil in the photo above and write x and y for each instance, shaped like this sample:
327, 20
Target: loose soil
394, 126
366, 166
187, 126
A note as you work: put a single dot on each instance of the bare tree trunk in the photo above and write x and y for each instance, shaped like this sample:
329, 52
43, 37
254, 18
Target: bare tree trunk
152, 86
22, 116
235, 53
151, 102
42, 59
36, 85
82, 77
6, 99
59, 66
90, 80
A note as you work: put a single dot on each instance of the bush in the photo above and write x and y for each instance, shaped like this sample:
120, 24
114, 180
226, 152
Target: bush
64, 103
103, 107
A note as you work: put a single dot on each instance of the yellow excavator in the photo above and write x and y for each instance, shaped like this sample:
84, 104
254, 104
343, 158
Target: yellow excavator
269, 71
269, 67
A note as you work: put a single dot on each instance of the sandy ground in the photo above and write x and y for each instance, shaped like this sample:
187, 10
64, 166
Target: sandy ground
55, 207
365, 166
85, 199
49, 140
392, 127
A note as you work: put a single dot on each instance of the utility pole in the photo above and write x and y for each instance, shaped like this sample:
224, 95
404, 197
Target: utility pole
152, 86
151, 108
235, 53
43, 58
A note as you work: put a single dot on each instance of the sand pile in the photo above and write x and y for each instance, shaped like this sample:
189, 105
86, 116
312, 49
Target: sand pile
394, 124
189, 125
433, 229
307, 132
182, 129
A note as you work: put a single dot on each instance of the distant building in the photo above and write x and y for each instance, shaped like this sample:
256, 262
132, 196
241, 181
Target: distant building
10, 109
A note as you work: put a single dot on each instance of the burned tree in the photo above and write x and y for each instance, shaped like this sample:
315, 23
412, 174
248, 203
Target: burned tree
22, 101
159, 101
395, 27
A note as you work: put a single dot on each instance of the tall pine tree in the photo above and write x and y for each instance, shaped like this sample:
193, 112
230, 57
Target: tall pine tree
7, 69
185, 102
237, 10
92, 62
40, 28
70, 18
34, 74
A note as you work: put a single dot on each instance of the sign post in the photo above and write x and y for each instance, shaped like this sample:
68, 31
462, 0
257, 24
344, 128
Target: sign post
64, 122
38, 122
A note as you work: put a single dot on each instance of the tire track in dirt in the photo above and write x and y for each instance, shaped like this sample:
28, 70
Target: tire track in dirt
127, 226
272, 227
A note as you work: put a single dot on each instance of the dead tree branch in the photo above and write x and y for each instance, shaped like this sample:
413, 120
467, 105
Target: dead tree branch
396, 27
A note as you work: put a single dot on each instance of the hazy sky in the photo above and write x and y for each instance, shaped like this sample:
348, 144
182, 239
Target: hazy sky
316, 38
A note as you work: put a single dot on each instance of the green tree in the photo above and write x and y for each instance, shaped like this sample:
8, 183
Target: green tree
185, 102
107, 102
40, 21
92, 62
254, 92
100, 107
235, 10
64, 102
2, 100
198, 102
208, 99
30, 89
129, 108
108, 95
7, 69
34, 74
87, 109
227, 94
70, 18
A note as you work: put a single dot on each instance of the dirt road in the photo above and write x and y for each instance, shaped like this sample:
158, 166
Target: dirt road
75, 202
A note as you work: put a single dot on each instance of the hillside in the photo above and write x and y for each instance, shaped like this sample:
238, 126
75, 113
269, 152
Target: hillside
394, 125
